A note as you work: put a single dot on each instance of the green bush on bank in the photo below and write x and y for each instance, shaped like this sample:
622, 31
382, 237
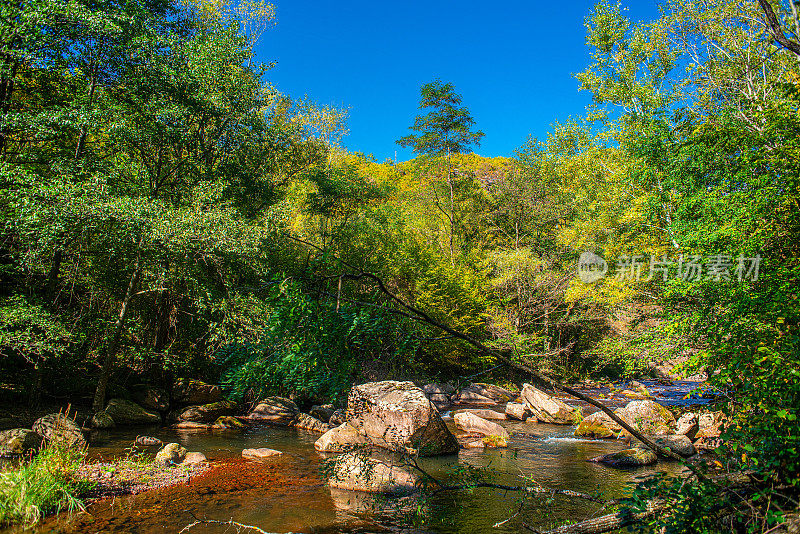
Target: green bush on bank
40, 485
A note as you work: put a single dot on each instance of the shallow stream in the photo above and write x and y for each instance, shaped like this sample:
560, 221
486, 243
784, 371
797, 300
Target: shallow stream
288, 493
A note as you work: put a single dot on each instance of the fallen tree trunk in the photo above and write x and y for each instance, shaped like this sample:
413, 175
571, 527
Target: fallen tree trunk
503, 357
607, 523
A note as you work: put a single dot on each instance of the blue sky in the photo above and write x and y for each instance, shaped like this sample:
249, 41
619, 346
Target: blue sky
512, 61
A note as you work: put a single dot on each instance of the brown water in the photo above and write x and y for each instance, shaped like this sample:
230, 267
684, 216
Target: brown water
288, 493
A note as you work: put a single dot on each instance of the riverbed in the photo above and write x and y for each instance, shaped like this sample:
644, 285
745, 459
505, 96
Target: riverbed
288, 493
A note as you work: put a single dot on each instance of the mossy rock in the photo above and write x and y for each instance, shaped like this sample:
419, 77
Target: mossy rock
19, 441
634, 457
125, 412
172, 453
229, 423
208, 413
102, 421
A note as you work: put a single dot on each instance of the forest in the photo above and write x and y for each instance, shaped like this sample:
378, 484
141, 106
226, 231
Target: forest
166, 213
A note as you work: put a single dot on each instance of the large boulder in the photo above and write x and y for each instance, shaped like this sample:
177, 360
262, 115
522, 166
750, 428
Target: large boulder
125, 412
306, 422
627, 458
61, 430
548, 409
19, 441
275, 411
357, 472
190, 391
648, 417
471, 423
150, 398
399, 417
598, 425
484, 394
172, 453
341, 439
207, 413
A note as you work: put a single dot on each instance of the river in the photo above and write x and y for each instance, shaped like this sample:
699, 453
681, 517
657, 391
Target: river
288, 493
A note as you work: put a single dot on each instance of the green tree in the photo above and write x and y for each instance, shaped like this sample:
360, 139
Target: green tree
444, 130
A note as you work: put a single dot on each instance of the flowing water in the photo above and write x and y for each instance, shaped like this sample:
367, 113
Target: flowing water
288, 493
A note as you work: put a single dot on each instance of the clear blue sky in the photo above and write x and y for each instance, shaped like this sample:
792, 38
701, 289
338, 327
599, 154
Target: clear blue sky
511, 60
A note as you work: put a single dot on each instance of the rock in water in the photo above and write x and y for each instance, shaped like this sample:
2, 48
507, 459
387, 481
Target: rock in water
101, 421
322, 412
207, 413
19, 441
548, 409
439, 395
485, 413
150, 398
517, 410
194, 458
337, 418
275, 411
307, 422
229, 423
189, 391
125, 412
627, 458
484, 394
598, 425
148, 441
677, 443
172, 453
471, 423
399, 417
357, 472
59, 429
341, 439
648, 417
260, 454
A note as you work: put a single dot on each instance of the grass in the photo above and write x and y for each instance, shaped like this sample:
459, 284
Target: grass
41, 485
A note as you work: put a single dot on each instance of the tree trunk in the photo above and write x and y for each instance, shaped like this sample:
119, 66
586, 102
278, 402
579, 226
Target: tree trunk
85, 126
607, 523
113, 342
452, 208
52, 276
6, 91
35, 394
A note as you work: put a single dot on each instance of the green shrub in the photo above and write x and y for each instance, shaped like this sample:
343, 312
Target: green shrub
41, 485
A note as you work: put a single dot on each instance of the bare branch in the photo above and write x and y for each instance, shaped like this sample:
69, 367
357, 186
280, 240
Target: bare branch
775, 29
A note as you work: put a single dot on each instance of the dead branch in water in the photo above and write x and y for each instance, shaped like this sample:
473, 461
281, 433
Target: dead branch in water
239, 526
